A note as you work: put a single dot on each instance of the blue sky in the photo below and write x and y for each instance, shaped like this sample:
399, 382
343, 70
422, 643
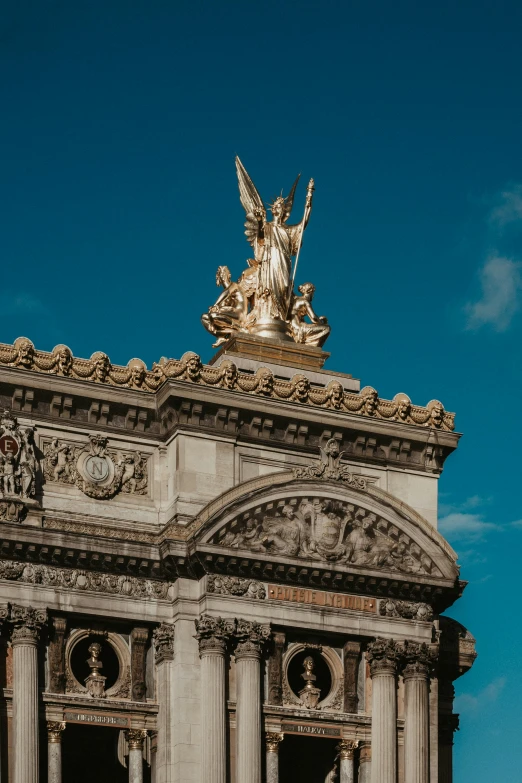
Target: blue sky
120, 122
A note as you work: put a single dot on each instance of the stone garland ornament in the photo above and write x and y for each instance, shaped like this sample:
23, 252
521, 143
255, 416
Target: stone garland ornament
97, 471
299, 389
316, 528
235, 585
388, 607
18, 466
88, 581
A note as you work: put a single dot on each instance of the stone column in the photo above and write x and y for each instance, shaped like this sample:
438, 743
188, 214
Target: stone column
383, 656
27, 624
272, 756
153, 756
54, 751
346, 753
135, 739
212, 635
163, 639
250, 640
365, 763
418, 663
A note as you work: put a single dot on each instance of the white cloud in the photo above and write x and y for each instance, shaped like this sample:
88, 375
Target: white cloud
468, 702
501, 282
508, 209
458, 525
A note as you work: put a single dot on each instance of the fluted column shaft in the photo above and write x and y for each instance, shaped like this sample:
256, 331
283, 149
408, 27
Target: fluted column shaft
383, 656
272, 756
250, 641
418, 662
346, 762
54, 752
25, 636
212, 634
416, 728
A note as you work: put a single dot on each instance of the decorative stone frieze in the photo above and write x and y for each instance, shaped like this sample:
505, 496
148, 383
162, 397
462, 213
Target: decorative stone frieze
89, 581
389, 607
99, 472
189, 368
318, 528
27, 624
139, 639
384, 656
163, 640
250, 638
234, 585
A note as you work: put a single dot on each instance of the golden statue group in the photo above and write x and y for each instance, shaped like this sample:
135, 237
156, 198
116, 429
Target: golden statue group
263, 302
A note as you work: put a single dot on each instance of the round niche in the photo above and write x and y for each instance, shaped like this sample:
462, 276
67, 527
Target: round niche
114, 655
323, 672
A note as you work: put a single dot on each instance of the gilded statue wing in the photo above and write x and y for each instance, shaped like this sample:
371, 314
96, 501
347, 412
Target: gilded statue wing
251, 201
289, 200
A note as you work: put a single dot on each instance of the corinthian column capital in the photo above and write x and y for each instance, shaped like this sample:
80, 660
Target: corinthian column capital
54, 731
163, 640
273, 738
383, 655
213, 634
27, 624
135, 738
347, 748
418, 660
250, 638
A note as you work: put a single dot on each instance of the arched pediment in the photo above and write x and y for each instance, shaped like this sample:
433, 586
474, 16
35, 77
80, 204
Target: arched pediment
346, 525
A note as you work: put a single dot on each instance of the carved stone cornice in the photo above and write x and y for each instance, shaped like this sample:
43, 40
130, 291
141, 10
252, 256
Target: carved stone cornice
273, 740
418, 660
27, 624
163, 640
299, 389
135, 738
250, 638
347, 748
213, 634
54, 731
384, 656
409, 610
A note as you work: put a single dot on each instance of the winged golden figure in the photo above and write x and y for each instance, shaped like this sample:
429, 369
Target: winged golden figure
274, 243
262, 301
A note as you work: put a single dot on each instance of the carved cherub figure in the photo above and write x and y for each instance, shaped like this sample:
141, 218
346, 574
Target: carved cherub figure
228, 313
314, 333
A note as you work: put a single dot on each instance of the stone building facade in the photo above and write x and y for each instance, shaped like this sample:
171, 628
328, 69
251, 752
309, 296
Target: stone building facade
224, 573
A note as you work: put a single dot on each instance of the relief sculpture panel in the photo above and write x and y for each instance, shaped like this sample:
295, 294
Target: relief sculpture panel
96, 470
317, 528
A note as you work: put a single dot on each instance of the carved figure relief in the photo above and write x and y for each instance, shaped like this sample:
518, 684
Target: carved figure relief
97, 471
316, 528
135, 375
18, 466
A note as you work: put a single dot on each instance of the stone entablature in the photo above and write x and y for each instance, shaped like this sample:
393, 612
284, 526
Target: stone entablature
98, 369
